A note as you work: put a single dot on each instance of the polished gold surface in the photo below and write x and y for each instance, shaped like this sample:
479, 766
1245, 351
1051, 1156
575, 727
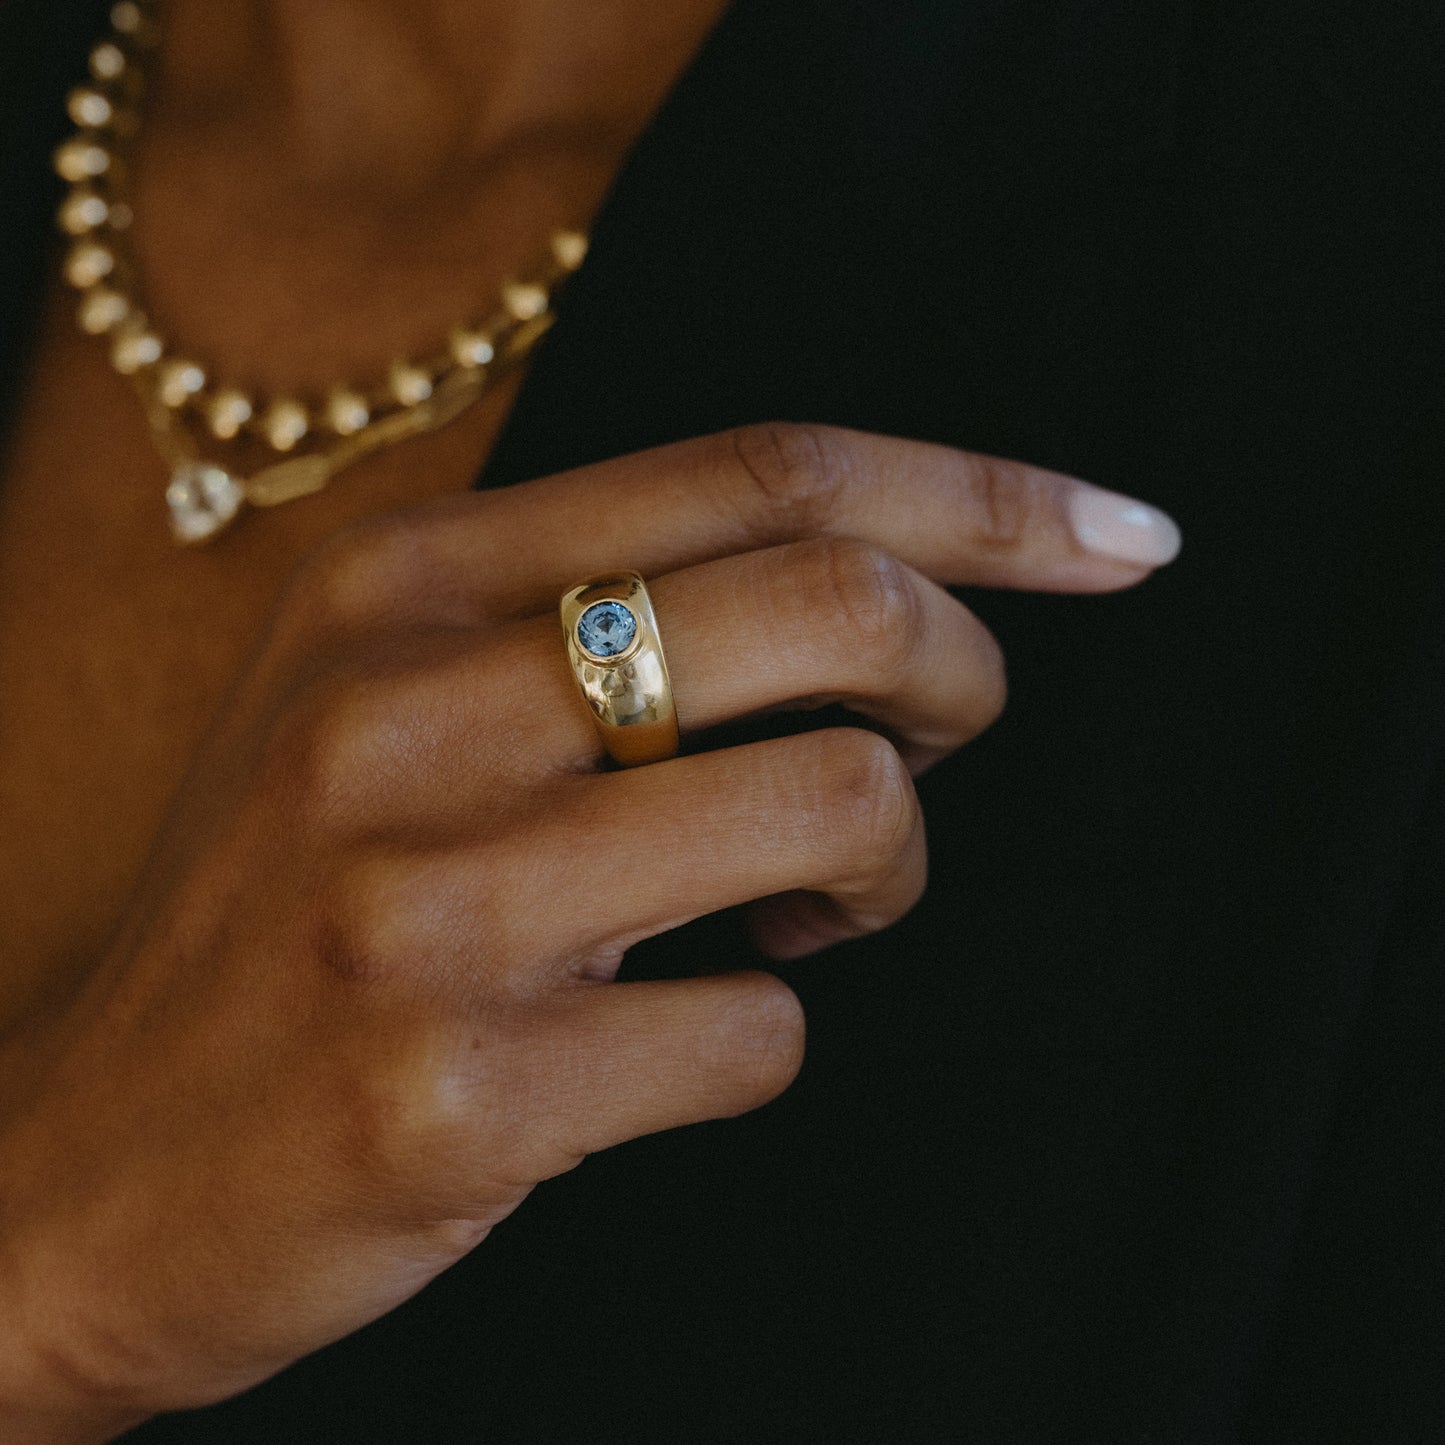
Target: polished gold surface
630, 695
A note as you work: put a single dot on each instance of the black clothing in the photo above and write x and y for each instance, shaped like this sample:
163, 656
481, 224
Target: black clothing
1132, 1131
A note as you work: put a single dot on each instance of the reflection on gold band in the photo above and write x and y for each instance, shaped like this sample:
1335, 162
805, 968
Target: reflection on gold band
629, 695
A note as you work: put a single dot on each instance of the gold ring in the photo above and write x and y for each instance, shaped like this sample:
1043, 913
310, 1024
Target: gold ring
616, 656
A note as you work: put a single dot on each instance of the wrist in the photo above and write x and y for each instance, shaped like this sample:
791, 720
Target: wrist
47, 1399
27, 1425
39, 1405
47, 1396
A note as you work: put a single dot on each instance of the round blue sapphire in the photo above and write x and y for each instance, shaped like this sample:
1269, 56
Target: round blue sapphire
606, 629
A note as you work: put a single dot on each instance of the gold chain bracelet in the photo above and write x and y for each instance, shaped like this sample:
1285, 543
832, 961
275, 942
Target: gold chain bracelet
296, 445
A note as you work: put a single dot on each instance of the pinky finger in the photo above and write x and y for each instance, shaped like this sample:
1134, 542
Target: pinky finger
627, 1059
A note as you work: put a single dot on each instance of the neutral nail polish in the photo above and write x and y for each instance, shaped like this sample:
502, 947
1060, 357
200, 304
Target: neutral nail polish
1128, 530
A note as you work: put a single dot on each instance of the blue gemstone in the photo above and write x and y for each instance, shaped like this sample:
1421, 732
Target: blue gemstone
606, 628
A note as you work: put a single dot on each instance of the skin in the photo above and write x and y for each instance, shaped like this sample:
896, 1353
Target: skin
296, 1012
105, 630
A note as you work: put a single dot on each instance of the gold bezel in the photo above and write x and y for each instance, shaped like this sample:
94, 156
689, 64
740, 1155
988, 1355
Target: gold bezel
629, 695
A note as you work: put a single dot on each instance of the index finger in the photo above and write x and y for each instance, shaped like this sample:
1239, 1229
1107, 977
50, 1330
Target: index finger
959, 517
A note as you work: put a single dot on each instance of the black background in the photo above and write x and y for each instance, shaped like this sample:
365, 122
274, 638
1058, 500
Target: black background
1132, 1131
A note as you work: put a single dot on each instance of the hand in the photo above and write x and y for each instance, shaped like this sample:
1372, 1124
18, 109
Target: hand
362, 1000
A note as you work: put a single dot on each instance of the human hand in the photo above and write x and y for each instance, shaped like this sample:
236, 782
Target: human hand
362, 1000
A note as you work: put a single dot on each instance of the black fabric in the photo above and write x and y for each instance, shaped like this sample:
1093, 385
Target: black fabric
1132, 1131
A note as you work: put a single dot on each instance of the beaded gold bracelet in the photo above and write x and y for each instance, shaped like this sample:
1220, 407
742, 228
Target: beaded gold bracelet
297, 445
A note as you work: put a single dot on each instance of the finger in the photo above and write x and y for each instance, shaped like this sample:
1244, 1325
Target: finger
616, 1061
613, 858
958, 517
829, 815
832, 620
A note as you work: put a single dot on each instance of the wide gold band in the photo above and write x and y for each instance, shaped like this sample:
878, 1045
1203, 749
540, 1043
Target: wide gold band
628, 691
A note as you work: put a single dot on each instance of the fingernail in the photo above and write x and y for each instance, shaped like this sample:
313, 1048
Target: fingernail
1111, 525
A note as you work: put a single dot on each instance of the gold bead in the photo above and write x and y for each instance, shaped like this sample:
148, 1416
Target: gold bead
177, 381
284, 424
409, 384
81, 159
88, 262
524, 300
569, 248
472, 348
107, 61
83, 210
134, 348
102, 310
88, 107
346, 412
127, 17
227, 412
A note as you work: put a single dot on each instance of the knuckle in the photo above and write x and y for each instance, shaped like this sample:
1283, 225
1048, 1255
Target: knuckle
406, 1081
1009, 501
399, 1114
434, 1103
412, 923
291, 767
360, 927
873, 595
327, 752
380, 1112
353, 576
796, 471
503, 1057
868, 792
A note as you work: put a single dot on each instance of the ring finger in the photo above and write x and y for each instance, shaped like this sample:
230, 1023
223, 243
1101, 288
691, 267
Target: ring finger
827, 620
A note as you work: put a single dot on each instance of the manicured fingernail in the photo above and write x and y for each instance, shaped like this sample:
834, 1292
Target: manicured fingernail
1122, 527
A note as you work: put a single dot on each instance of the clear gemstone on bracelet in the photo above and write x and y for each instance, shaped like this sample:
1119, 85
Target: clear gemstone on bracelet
606, 629
202, 499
